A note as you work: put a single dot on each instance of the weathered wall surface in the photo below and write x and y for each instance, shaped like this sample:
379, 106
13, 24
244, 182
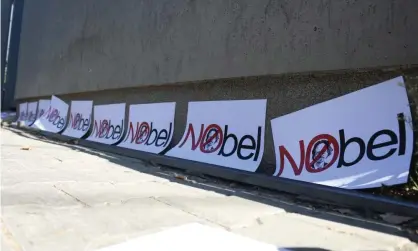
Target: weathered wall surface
78, 45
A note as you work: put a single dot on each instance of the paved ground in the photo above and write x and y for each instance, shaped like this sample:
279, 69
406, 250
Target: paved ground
57, 197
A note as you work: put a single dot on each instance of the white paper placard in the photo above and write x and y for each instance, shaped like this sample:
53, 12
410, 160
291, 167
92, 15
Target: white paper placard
359, 140
80, 118
193, 237
150, 127
108, 123
224, 133
55, 118
43, 106
31, 114
23, 112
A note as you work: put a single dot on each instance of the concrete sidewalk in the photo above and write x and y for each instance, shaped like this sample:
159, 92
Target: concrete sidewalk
56, 197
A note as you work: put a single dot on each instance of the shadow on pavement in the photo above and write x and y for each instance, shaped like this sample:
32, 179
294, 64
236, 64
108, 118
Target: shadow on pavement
302, 249
289, 202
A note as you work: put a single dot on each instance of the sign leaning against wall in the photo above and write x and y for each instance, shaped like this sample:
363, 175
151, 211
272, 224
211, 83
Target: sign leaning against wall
43, 105
108, 124
80, 118
224, 133
150, 128
23, 110
360, 140
55, 118
31, 117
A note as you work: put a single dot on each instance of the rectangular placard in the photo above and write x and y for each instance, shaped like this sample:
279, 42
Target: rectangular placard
360, 140
150, 127
108, 123
31, 114
23, 112
55, 118
43, 105
224, 133
80, 118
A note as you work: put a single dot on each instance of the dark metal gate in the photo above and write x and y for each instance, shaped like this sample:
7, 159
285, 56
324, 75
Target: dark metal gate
11, 22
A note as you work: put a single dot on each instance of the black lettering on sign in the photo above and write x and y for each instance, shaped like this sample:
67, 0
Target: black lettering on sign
23, 115
324, 150
77, 122
146, 134
31, 116
54, 118
41, 113
105, 129
214, 139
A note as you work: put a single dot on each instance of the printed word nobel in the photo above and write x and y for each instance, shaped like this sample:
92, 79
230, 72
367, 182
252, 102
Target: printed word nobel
31, 117
22, 115
145, 133
41, 113
366, 148
107, 130
213, 138
55, 118
77, 122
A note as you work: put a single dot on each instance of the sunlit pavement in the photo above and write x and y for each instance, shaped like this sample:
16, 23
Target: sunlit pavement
55, 197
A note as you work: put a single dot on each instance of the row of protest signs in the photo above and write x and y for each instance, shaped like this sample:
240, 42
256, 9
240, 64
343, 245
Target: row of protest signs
361, 140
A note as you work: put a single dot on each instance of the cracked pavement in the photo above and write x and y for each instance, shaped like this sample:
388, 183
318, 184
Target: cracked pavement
57, 196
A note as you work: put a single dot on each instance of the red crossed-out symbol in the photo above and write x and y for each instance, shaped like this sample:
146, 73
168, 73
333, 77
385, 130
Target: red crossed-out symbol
211, 136
144, 131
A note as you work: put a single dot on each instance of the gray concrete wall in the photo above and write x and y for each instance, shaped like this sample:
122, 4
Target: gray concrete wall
91, 45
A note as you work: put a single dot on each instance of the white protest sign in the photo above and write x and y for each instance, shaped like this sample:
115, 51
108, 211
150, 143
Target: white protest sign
204, 238
359, 140
150, 127
31, 117
23, 112
80, 119
224, 133
108, 124
43, 106
55, 118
